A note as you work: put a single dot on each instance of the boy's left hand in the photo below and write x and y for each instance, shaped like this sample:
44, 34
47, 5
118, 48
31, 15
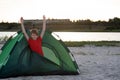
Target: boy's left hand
21, 20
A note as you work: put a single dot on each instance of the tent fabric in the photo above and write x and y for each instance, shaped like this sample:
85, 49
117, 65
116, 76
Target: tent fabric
16, 58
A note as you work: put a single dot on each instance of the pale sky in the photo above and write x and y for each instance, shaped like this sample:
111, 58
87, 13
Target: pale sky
12, 10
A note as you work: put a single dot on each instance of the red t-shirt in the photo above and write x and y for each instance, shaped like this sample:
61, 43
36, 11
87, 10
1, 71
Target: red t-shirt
36, 45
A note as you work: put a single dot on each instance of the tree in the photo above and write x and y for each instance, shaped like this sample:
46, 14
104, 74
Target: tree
115, 23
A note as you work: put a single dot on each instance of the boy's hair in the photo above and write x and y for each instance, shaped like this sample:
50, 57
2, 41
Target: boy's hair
34, 31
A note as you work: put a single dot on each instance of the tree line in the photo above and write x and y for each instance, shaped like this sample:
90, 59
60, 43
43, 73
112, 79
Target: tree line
111, 24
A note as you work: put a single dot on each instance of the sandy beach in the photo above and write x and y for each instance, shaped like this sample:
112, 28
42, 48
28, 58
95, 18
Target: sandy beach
95, 63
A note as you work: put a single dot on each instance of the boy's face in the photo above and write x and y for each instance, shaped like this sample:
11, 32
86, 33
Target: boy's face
34, 36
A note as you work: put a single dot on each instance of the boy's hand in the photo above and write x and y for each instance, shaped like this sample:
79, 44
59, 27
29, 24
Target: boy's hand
21, 20
44, 17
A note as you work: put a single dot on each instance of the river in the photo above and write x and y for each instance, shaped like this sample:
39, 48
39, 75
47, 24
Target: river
80, 36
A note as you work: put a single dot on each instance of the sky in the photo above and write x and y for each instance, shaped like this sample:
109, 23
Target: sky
12, 10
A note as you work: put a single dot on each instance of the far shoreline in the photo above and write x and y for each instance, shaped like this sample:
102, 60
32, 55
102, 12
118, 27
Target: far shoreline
91, 43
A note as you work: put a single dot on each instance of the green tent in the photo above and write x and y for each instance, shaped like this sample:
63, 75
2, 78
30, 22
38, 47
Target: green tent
16, 58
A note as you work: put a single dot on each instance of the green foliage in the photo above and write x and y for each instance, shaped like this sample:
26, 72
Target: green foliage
115, 23
8, 26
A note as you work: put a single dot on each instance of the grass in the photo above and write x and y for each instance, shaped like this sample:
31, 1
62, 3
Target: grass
95, 43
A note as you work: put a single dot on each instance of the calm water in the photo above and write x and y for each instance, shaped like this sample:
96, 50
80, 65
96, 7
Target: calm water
89, 36
80, 36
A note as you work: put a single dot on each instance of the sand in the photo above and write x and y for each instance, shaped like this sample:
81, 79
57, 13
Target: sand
95, 63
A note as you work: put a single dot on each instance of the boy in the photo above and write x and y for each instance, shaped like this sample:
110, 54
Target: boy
35, 40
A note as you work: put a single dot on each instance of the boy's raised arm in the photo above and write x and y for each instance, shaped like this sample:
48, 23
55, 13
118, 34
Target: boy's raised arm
44, 26
23, 28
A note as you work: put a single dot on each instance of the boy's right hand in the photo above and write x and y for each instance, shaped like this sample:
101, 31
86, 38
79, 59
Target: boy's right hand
44, 18
21, 20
